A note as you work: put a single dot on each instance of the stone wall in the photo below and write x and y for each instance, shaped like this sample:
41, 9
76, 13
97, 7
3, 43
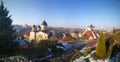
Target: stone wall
18, 59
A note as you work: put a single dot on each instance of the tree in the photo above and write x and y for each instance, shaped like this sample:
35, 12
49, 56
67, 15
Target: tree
101, 49
6, 28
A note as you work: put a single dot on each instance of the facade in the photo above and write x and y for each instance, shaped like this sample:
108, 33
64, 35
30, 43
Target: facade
39, 34
43, 26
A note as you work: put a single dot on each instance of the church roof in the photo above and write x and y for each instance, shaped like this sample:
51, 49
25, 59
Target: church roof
89, 33
44, 23
91, 26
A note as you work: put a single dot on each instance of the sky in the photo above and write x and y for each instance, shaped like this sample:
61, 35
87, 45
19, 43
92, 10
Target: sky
66, 13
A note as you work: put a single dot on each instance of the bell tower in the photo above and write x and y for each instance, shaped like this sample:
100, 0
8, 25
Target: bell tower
43, 26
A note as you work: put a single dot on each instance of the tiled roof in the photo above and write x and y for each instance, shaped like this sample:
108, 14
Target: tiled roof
89, 33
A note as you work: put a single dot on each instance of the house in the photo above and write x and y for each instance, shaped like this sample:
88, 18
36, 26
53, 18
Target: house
90, 33
74, 34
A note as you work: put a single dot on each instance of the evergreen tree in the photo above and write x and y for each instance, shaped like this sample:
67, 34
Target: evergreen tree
100, 49
6, 28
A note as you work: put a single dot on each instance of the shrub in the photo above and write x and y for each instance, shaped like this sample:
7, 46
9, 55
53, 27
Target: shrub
116, 37
109, 44
52, 44
94, 56
87, 51
101, 49
75, 54
79, 54
115, 50
38, 50
86, 60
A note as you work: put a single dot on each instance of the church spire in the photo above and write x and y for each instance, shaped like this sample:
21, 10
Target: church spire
44, 23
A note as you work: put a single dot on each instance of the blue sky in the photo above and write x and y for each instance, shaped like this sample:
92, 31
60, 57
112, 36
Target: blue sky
66, 13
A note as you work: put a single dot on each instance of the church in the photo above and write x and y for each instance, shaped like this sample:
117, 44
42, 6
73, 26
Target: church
39, 33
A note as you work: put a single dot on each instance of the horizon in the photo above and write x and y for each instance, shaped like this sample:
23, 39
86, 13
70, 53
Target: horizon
103, 14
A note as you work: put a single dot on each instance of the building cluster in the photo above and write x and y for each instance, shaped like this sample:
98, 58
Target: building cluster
39, 33
89, 33
42, 32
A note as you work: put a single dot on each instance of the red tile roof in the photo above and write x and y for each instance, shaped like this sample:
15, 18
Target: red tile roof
89, 33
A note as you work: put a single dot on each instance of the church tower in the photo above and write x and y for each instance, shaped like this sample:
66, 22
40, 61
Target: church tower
90, 28
43, 26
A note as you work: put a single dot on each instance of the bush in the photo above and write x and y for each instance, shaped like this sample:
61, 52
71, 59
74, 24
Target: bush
86, 60
116, 37
87, 51
109, 44
38, 50
79, 54
41, 49
52, 44
94, 56
101, 49
75, 54
115, 50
